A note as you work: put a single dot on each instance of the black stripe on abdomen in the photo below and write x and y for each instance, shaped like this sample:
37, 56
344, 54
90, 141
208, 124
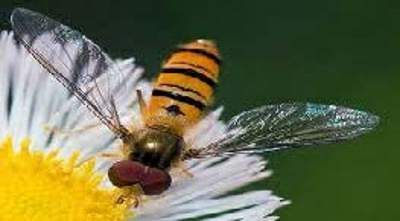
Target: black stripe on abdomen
192, 65
184, 99
202, 52
184, 89
192, 73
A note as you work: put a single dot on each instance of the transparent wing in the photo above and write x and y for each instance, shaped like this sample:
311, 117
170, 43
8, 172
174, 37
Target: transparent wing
73, 60
275, 127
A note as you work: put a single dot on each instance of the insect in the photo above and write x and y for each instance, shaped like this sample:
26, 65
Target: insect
181, 94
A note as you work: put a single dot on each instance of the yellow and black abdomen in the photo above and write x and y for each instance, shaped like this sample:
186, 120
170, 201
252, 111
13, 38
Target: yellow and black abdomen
185, 87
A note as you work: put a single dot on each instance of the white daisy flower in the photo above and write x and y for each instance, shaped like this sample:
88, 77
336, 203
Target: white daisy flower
48, 137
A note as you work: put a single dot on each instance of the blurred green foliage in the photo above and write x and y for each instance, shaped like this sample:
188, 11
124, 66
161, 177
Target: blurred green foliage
341, 52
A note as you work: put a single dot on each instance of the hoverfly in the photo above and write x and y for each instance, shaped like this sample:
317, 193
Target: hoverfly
181, 94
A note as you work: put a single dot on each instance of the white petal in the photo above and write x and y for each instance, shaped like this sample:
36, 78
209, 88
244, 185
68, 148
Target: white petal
206, 131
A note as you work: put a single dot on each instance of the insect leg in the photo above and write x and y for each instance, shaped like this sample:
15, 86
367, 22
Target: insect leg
130, 196
58, 131
181, 170
110, 155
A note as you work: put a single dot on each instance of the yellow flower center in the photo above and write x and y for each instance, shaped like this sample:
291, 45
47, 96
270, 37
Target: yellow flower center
37, 186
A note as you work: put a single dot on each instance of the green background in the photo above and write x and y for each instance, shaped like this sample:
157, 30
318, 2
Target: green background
342, 52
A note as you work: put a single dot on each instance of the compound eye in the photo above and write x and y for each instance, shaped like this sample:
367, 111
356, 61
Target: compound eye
155, 181
126, 173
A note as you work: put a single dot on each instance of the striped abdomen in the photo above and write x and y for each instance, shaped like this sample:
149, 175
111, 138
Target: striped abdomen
185, 86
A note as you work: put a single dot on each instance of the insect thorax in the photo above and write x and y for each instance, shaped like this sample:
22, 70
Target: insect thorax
155, 147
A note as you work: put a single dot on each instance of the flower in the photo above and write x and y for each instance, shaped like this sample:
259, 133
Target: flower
49, 169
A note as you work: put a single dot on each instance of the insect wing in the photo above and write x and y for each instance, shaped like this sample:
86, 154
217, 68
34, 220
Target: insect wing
75, 61
275, 127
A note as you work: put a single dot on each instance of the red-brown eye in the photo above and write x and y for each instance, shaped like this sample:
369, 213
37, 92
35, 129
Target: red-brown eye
126, 173
155, 181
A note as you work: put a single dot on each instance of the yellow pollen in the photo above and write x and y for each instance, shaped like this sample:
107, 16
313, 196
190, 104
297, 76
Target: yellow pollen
36, 186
